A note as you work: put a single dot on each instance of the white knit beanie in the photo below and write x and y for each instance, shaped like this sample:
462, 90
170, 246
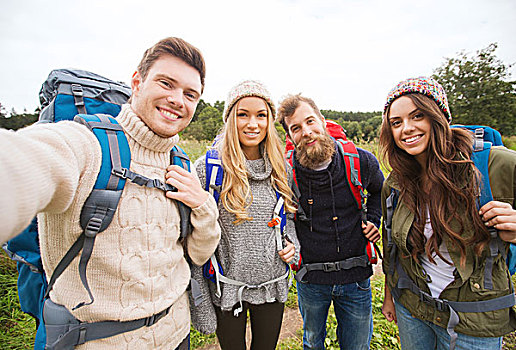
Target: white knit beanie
247, 88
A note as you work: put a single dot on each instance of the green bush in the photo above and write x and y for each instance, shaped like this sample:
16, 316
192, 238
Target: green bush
510, 142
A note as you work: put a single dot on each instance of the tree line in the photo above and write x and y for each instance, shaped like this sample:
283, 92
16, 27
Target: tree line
15, 120
478, 86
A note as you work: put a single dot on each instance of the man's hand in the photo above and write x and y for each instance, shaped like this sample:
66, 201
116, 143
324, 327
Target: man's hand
370, 232
189, 190
287, 253
501, 216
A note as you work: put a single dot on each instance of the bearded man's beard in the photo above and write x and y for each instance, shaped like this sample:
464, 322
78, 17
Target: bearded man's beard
312, 156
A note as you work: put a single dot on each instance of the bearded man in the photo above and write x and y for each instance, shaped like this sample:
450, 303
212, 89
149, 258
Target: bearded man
333, 236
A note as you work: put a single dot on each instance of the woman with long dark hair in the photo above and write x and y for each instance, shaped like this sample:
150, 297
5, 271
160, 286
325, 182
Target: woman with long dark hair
449, 289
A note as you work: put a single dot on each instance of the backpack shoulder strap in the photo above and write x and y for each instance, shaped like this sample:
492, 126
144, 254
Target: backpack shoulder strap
279, 220
480, 157
179, 157
116, 154
214, 173
289, 156
351, 159
391, 203
100, 206
300, 214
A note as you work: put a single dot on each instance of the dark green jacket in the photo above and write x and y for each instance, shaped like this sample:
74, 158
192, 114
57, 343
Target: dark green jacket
469, 280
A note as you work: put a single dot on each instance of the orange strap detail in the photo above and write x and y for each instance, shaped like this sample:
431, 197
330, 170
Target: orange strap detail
274, 222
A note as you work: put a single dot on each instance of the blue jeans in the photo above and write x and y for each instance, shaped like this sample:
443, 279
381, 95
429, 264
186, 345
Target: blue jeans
352, 305
419, 334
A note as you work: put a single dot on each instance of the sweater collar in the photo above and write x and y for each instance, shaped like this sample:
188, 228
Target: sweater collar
259, 169
134, 126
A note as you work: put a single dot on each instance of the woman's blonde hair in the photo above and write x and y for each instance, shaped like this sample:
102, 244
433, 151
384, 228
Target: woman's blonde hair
236, 193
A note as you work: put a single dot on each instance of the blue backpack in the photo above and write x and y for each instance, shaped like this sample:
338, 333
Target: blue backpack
66, 95
485, 138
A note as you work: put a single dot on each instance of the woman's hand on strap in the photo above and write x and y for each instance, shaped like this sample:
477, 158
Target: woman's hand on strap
287, 253
501, 216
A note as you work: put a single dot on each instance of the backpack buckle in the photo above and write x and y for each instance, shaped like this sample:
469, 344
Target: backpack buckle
93, 227
330, 267
77, 90
437, 303
157, 183
122, 173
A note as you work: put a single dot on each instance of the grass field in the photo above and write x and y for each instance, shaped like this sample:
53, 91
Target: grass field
17, 329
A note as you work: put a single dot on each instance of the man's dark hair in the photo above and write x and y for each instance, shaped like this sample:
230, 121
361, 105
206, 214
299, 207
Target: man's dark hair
289, 105
175, 47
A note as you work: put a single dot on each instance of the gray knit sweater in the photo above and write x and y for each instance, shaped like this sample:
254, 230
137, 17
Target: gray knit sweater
247, 252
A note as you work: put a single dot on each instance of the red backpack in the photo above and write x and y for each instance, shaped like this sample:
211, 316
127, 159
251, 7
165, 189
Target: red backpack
349, 154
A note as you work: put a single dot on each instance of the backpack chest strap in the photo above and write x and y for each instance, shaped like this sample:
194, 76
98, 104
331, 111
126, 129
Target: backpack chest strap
346, 264
220, 278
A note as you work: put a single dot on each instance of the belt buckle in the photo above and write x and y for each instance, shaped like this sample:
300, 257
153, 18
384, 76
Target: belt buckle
330, 267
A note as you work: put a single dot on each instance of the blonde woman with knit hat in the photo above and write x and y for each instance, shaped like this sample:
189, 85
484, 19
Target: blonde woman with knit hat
444, 286
252, 259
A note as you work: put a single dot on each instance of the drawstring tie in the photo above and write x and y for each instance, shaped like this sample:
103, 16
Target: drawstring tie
310, 201
334, 218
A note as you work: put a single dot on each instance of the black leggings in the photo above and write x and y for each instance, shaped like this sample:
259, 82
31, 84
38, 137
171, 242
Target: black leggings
265, 326
185, 344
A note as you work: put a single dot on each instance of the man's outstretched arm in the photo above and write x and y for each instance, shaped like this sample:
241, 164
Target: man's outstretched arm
40, 170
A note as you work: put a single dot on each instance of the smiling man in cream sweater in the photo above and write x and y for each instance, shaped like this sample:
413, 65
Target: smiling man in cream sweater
138, 266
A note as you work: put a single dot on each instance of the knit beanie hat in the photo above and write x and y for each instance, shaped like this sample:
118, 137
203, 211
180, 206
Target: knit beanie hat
247, 88
422, 85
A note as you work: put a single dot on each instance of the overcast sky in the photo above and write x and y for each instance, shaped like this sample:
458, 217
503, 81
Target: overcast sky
346, 54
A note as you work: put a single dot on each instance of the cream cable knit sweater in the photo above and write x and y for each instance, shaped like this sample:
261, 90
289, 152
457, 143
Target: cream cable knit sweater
137, 267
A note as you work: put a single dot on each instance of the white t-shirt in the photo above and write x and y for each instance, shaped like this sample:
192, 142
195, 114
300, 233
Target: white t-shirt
441, 274
322, 166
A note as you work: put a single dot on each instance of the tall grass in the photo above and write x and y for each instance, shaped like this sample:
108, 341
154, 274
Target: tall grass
17, 329
194, 148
